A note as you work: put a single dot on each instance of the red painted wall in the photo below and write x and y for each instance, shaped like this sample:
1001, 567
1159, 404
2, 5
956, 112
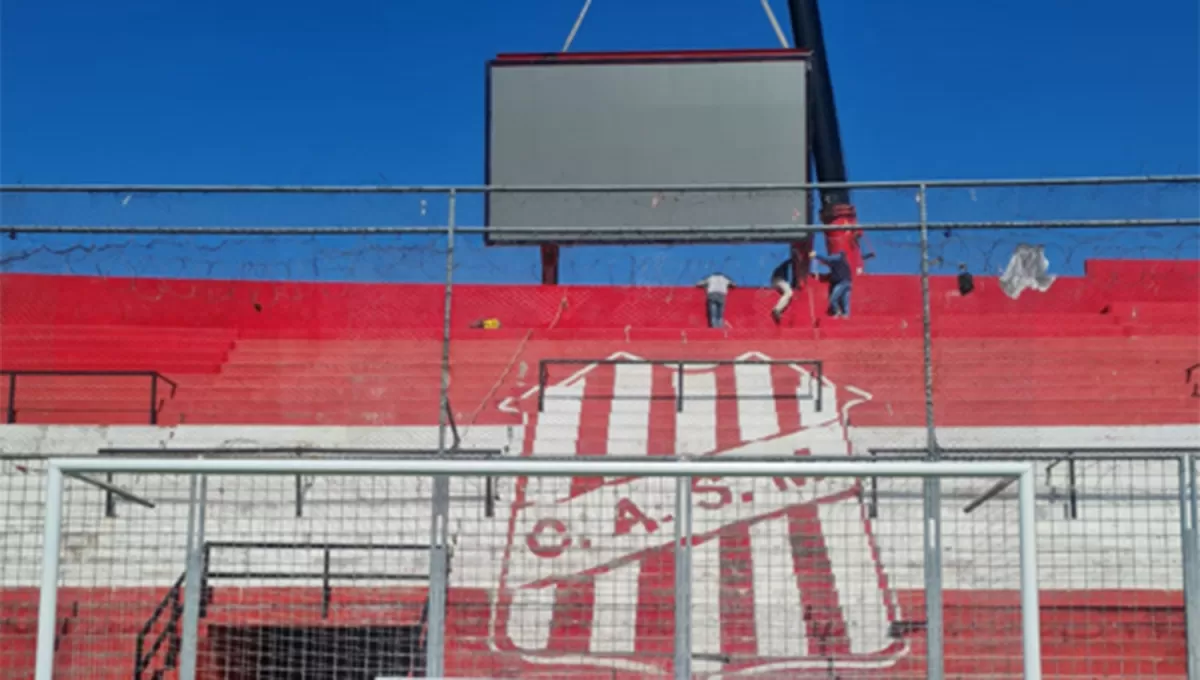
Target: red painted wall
1085, 634
258, 309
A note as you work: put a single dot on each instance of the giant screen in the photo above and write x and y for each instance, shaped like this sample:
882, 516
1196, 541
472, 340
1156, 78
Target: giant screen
647, 120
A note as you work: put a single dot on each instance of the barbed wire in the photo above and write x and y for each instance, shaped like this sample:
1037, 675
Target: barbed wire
124, 231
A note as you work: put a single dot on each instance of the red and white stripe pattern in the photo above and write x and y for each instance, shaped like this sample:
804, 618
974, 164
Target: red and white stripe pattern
784, 573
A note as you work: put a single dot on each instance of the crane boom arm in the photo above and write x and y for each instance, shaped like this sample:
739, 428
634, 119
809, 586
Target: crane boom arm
826, 137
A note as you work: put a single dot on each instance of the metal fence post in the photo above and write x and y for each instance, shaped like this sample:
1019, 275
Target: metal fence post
11, 416
435, 649
192, 589
926, 320
1031, 633
935, 628
1191, 560
683, 578
447, 306
48, 595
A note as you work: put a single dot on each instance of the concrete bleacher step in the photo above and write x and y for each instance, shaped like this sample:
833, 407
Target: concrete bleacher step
867, 357
168, 367
1047, 365
1156, 310
369, 381
324, 387
501, 348
1180, 328
241, 369
17, 654
93, 418
104, 330
14, 353
792, 344
95, 657
301, 348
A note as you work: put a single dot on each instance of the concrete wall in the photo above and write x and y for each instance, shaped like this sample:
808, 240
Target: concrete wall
1126, 536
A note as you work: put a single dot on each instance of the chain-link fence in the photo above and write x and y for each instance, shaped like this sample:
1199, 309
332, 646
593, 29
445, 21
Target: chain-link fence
1114, 550
644, 577
1113, 530
375, 313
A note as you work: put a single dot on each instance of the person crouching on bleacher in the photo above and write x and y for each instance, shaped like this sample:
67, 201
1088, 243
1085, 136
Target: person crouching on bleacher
717, 288
840, 278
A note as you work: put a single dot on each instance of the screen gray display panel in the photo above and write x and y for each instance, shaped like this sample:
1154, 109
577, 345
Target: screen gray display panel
647, 123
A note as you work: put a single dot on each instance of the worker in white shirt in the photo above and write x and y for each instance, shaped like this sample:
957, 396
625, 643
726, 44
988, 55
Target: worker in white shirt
717, 286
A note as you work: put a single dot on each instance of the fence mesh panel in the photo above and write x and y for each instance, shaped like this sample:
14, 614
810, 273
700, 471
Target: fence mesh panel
22, 504
1057, 325
786, 576
1109, 558
338, 592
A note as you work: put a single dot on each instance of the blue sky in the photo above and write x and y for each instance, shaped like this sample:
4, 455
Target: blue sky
372, 92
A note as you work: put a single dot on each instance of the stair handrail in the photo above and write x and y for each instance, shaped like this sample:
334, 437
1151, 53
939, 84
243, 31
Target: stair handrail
155, 377
170, 632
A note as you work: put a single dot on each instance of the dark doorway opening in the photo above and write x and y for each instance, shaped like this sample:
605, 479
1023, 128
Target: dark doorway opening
316, 653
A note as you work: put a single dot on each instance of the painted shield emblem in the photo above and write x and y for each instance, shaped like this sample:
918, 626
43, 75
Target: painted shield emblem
785, 573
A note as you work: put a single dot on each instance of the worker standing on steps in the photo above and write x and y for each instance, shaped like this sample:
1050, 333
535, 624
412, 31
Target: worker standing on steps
840, 277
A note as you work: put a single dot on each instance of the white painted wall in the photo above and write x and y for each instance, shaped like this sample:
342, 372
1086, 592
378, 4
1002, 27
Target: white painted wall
1126, 539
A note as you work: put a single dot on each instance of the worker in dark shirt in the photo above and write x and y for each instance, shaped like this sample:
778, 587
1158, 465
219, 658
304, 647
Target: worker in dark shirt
966, 282
839, 283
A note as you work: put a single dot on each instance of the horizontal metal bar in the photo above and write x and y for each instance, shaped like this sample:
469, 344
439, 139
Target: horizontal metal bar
613, 234
564, 457
114, 490
762, 231
598, 188
293, 450
677, 362
75, 374
769, 458
317, 575
1163, 453
273, 545
673, 397
222, 189
219, 231
1048, 449
797, 466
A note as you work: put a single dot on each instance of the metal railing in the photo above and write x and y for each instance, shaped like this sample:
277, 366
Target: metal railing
154, 376
815, 393
1051, 457
170, 606
327, 575
299, 452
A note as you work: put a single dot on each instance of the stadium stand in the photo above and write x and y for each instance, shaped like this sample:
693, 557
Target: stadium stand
312, 358
1112, 348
